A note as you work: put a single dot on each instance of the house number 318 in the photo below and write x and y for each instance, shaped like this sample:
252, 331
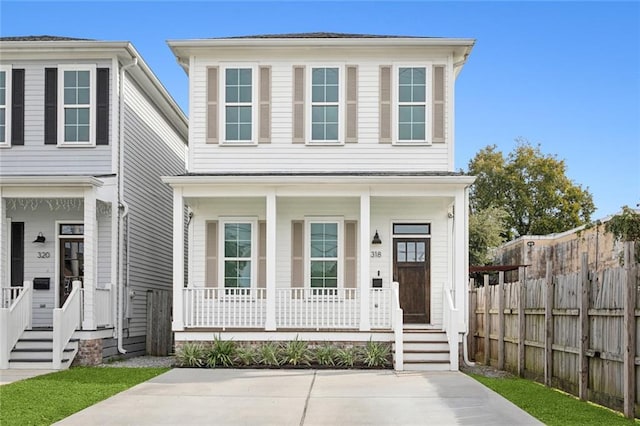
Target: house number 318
376, 254
44, 255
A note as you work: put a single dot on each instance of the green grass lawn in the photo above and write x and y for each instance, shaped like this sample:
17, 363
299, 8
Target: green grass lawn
46, 399
550, 406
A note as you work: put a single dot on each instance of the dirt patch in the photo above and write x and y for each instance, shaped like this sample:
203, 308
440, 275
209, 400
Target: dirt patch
485, 370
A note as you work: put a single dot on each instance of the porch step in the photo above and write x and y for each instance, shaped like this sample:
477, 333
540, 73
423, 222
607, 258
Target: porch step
34, 350
425, 349
31, 354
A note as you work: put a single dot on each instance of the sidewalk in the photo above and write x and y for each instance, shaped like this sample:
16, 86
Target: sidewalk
304, 397
10, 376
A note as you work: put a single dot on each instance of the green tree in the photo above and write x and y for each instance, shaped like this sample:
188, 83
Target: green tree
624, 226
485, 232
531, 187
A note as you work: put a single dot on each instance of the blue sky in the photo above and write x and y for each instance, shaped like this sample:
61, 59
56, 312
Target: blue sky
565, 75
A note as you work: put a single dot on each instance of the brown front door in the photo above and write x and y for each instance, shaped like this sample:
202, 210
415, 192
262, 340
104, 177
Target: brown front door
411, 270
71, 265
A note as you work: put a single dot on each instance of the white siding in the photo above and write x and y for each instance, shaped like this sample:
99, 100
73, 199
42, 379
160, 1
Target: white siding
36, 158
152, 149
105, 248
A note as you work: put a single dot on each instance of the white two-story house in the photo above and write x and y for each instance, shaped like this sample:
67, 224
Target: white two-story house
322, 199
86, 131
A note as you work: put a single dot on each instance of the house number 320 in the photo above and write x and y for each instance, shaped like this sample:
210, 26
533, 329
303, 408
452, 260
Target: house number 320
376, 254
44, 255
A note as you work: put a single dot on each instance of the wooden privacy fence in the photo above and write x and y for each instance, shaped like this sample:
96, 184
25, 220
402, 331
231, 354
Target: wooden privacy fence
159, 335
576, 332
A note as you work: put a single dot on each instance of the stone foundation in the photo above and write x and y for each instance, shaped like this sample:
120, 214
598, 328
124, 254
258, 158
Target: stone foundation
89, 352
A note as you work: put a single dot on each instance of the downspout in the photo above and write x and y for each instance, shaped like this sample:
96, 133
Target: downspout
123, 207
465, 348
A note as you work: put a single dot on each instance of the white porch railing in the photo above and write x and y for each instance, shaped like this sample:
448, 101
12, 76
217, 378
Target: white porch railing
380, 308
318, 308
66, 321
398, 326
8, 295
450, 325
102, 306
14, 319
225, 307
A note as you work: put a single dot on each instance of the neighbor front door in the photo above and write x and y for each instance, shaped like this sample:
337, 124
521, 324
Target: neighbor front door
411, 270
71, 265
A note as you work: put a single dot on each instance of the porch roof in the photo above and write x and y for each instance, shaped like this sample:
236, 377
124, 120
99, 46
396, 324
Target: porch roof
50, 180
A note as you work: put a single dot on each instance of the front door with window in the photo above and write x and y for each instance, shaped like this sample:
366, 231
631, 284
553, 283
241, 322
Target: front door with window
71, 265
411, 270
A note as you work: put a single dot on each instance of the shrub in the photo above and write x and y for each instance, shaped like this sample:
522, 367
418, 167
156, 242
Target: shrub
269, 353
296, 352
246, 355
376, 354
326, 354
222, 352
348, 357
190, 355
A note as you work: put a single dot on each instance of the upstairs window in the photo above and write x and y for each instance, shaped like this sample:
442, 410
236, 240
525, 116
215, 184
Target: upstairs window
238, 85
412, 104
325, 104
76, 105
5, 110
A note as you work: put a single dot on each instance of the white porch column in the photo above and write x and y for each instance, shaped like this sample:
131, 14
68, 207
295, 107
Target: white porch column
270, 323
178, 259
90, 257
365, 225
459, 254
4, 243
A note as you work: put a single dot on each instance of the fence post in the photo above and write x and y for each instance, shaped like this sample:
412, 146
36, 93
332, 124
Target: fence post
583, 360
522, 303
501, 320
473, 326
630, 332
548, 323
487, 324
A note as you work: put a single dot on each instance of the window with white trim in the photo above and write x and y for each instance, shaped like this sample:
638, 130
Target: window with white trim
238, 260
412, 104
324, 255
5, 107
238, 108
325, 104
76, 105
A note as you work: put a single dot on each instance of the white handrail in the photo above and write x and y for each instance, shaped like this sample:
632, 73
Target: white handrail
14, 320
66, 321
398, 325
224, 307
318, 308
8, 295
380, 308
450, 325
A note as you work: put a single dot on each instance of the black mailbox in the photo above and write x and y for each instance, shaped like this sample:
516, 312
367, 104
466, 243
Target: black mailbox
41, 283
376, 283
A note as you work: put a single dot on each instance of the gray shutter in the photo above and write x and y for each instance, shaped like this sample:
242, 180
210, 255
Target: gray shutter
211, 254
351, 120
385, 104
262, 254
438, 104
17, 107
297, 253
350, 253
51, 106
264, 112
298, 104
102, 106
212, 105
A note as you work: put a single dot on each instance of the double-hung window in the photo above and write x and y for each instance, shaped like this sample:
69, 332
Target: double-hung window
238, 110
5, 108
238, 258
325, 105
76, 105
412, 104
324, 257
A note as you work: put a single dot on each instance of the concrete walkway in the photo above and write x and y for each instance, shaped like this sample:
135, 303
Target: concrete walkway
304, 397
10, 376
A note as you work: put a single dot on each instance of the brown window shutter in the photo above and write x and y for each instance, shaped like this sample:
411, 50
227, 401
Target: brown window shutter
264, 111
298, 104
211, 254
262, 254
51, 106
352, 105
438, 104
350, 253
17, 107
212, 105
297, 253
102, 106
385, 104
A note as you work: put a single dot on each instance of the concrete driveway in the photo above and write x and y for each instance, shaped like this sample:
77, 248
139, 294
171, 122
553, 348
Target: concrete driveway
304, 397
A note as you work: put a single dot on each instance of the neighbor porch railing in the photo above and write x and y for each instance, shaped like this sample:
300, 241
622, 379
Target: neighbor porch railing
66, 321
398, 326
450, 324
8, 295
14, 319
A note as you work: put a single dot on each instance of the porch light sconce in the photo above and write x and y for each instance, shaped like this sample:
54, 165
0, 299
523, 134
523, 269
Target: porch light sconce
376, 238
531, 243
40, 238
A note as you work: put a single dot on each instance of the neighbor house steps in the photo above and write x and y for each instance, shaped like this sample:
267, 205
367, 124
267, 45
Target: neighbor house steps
34, 350
425, 349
